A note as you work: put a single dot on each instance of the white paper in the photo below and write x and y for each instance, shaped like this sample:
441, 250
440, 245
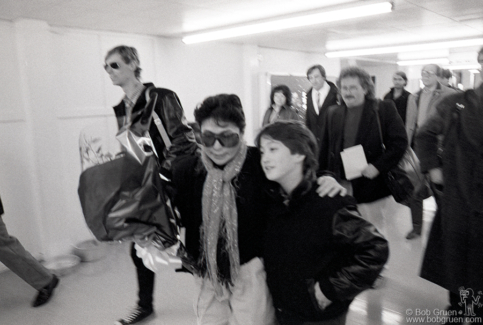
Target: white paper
354, 161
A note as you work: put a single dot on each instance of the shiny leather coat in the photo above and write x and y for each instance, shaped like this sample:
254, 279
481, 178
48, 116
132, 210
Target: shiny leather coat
170, 111
318, 240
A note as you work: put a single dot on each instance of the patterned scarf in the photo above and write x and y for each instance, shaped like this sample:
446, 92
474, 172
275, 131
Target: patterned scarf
220, 218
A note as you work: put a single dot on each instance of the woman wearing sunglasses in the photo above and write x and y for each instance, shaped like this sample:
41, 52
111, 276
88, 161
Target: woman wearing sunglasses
220, 196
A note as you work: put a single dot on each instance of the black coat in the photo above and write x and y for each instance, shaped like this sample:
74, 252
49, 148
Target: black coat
189, 176
394, 137
401, 102
454, 253
322, 240
316, 122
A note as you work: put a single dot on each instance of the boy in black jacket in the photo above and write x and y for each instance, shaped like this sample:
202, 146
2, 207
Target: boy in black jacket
318, 253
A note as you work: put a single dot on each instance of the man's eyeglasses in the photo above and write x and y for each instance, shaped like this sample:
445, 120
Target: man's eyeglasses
226, 139
113, 65
426, 73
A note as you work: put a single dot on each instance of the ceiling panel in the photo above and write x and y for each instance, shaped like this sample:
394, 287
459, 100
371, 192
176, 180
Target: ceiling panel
411, 20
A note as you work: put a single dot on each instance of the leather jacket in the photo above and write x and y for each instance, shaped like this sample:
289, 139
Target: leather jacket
312, 240
170, 111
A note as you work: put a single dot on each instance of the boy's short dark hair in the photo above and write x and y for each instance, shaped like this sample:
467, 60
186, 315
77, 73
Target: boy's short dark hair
222, 108
298, 139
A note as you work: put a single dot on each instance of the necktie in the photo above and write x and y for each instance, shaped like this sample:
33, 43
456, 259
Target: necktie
317, 107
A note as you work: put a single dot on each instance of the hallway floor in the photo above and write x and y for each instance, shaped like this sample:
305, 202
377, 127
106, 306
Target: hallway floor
100, 292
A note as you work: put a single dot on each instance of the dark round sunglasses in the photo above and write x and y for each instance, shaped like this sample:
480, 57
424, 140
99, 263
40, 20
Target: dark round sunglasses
113, 65
226, 139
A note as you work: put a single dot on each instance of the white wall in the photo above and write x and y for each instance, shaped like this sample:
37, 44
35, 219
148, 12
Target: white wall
53, 86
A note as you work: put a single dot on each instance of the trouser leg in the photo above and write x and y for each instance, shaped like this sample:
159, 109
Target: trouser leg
251, 302
339, 320
247, 302
374, 213
145, 281
21, 262
416, 206
210, 309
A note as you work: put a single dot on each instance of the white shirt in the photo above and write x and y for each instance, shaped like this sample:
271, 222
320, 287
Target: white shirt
324, 91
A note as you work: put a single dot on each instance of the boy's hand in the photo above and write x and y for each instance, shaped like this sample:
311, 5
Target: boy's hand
322, 300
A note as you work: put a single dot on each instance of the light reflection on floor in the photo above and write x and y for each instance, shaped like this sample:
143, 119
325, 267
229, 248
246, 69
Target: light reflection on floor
101, 292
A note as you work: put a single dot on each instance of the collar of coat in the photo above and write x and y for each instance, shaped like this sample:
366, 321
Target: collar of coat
436, 91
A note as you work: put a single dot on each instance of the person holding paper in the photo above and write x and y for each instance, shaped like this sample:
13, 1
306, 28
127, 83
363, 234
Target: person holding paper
354, 123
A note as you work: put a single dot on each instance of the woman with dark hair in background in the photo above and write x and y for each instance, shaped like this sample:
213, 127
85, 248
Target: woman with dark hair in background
280, 106
398, 94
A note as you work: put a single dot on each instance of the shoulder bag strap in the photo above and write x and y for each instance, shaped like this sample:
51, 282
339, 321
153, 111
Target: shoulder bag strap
376, 110
157, 120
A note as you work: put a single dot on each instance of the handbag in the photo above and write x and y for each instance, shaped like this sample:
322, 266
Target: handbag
122, 200
397, 179
126, 198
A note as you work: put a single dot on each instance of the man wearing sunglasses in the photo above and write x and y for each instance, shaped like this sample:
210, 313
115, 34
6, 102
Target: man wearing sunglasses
122, 65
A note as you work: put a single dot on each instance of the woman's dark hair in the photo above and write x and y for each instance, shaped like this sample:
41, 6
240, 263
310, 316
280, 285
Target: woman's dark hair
285, 91
402, 74
298, 139
221, 108
447, 74
128, 55
364, 79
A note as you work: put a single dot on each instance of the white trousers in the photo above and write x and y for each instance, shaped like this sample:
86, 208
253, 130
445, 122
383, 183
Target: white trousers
247, 302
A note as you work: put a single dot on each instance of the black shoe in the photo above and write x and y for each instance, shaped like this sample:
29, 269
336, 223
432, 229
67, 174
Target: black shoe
138, 315
46, 293
413, 234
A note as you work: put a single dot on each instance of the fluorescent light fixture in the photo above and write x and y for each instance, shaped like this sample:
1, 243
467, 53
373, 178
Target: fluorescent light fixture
286, 23
470, 66
423, 62
405, 48
420, 55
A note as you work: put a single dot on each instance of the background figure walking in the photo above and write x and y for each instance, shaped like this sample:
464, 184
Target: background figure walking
22, 263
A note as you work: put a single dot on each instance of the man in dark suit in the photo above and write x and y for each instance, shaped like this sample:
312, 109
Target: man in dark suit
320, 97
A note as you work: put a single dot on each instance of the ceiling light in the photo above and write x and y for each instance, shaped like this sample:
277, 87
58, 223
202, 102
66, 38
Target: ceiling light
474, 71
286, 23
423, 62
463, 66
405, 48
419, 55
